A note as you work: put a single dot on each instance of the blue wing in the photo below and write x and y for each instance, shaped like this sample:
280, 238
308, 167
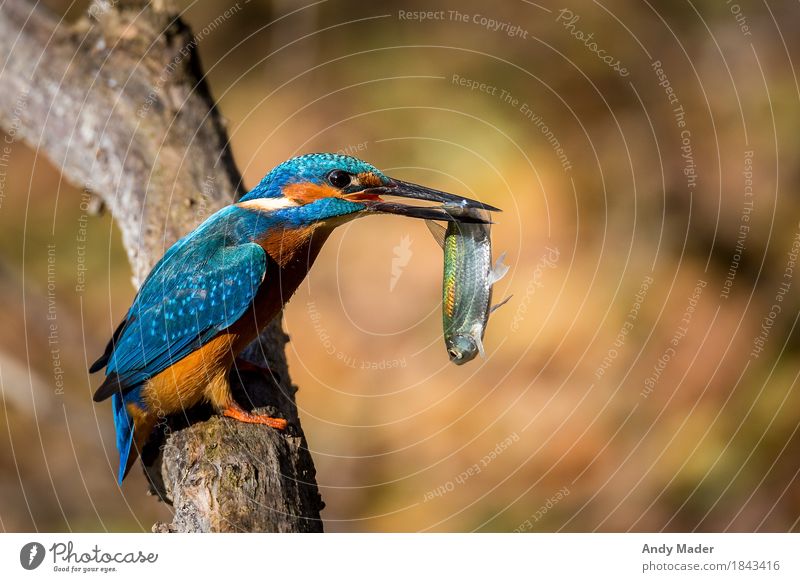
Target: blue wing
200, 287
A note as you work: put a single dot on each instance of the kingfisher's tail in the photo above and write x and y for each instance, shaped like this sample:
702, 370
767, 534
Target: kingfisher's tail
133, 425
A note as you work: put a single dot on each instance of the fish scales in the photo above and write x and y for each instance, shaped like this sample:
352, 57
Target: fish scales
466, 286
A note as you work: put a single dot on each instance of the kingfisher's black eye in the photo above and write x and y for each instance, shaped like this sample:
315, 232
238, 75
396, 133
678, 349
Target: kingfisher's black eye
339, 179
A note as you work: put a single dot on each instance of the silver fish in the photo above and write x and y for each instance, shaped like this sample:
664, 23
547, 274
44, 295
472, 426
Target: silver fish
467, 284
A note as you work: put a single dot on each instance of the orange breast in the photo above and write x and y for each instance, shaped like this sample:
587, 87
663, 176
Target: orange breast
287, 265
189, 380
204, 372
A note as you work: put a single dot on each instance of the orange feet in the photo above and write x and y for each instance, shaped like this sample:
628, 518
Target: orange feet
235, 411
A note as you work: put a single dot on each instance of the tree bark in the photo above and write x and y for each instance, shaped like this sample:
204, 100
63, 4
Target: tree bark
118, 102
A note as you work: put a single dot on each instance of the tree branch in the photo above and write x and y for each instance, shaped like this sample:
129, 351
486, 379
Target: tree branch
118, 102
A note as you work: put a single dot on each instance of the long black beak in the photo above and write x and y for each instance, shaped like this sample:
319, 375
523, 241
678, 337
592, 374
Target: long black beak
453, 208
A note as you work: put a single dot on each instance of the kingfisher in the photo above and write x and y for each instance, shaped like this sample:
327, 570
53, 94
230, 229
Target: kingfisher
215, 289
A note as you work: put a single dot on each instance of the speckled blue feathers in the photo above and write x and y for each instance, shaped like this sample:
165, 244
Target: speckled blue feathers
203, 284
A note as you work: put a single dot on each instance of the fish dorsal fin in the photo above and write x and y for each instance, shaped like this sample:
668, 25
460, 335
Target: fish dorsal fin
499, 271
499, 305
438, 232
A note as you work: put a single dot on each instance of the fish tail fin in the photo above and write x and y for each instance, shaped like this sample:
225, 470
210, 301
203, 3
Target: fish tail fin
499, 271
133, 426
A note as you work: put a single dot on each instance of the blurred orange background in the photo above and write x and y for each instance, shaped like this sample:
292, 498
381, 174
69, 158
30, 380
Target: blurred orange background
622, 389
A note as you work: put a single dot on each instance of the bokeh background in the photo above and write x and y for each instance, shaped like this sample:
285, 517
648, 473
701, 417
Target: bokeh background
639, 378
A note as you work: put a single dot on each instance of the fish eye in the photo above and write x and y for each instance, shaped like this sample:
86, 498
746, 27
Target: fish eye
339, 179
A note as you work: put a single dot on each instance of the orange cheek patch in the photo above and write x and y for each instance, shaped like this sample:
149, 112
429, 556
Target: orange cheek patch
306, 192
369, 180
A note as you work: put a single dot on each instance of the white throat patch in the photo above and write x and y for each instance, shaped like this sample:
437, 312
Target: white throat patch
268, 204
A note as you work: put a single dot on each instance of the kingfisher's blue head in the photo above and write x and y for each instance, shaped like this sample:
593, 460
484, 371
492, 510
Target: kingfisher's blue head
331, 188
